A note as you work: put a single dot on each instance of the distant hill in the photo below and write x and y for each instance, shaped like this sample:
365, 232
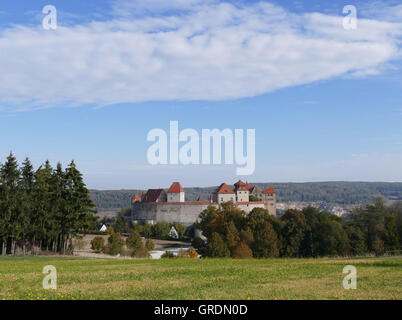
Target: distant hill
342, 193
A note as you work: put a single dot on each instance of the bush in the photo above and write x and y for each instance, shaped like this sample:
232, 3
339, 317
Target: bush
216, 247
98, 244
147, 230
161, 230
115, 244
181, 230
134, 240
242, 251
197, 243
192, 253
149, 244
168, 254
140, 252
183, 254
110, 230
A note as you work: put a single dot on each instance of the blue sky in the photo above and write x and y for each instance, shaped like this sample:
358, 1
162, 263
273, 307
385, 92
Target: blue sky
325, 102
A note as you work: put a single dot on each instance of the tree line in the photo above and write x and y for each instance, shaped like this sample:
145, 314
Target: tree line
372, 229
343, 193
42, 209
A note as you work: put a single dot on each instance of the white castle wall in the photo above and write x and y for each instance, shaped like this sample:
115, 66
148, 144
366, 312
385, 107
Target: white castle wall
185, 213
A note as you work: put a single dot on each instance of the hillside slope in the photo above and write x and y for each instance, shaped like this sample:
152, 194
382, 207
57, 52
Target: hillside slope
330, 192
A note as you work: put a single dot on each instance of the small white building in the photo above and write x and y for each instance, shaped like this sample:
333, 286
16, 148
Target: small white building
173, 233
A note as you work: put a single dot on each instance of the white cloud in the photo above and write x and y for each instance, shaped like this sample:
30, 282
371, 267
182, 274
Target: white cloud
218, 51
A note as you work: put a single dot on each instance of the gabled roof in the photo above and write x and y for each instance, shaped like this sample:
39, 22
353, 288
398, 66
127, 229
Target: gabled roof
269, 190
239, 183
224, 188
175, 188
249, 186
243, 188
255, 188
152, 195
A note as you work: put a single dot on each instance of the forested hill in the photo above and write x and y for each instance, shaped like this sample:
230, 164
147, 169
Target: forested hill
330, 192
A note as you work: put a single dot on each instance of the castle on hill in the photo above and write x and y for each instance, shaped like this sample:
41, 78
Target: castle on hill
159, 205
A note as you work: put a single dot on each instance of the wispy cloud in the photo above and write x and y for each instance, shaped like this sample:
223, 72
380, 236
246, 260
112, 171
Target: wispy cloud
383, 11
152, 51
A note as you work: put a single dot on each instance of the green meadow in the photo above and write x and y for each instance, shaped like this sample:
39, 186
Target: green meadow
21, 278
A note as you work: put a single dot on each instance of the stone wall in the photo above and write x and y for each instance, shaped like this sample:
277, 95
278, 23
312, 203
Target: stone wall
247, 207
185, 213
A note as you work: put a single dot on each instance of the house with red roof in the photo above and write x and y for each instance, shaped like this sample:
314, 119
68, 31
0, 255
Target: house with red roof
223, 194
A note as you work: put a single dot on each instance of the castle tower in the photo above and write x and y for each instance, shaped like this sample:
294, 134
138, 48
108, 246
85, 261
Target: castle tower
175, 193
242, 191
269, 198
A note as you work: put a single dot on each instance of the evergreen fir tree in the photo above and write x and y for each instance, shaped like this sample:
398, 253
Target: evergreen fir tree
9, 203
26, 186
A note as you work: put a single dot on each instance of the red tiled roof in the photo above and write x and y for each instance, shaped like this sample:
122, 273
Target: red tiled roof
224, 188
269, 190
249, 187
240, 183
175, 188
243, 189
152, 195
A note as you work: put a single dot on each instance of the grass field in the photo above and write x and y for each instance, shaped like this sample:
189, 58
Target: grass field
21, 278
